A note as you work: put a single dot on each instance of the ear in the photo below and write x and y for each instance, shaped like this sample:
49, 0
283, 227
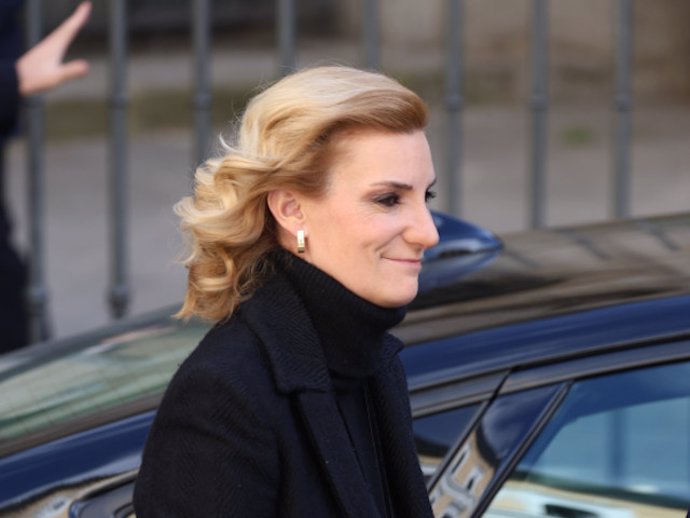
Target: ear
286, 210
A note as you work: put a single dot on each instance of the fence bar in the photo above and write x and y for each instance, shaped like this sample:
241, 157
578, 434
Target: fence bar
623, 108
287, 22
201, 16
454, 103
372, 34
539, 107
119, 289
37, 292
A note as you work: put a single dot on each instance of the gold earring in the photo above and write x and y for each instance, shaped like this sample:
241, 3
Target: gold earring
300, 242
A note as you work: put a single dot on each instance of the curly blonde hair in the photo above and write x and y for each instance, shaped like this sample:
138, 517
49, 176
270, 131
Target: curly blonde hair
286, 140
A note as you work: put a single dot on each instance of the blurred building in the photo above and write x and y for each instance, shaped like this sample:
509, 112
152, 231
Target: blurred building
497, 37
170, 16
497, 43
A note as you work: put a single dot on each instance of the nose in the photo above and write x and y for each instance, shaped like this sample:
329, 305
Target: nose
422, 230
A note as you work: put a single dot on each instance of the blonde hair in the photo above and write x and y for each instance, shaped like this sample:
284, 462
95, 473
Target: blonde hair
285, 140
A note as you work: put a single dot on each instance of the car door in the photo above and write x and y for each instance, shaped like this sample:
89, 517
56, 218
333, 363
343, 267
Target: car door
602, 436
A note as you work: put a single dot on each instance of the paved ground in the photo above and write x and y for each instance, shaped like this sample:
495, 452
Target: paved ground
494, 176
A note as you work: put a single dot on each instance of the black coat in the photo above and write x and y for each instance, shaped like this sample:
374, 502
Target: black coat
249, 426
13, 314
10, 49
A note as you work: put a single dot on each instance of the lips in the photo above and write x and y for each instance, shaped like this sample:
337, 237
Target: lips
405, 260
402, 261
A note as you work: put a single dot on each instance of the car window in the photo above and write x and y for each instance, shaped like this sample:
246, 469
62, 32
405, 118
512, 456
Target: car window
468, 473
619, 446
435, 434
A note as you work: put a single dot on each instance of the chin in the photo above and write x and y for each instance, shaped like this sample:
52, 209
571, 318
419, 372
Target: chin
397, 300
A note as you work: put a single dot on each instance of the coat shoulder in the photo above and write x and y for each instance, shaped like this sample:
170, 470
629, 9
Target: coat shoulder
229, 355
213, 445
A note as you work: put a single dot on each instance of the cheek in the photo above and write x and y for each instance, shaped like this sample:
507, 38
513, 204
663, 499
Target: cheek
331, 231
347, 243
379, 233
335, 227
349, 251
331, 243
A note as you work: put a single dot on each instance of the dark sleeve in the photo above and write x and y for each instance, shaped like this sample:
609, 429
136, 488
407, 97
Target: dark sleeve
212, 450
9, 97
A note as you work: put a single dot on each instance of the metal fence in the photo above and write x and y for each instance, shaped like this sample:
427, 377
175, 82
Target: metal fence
286, 33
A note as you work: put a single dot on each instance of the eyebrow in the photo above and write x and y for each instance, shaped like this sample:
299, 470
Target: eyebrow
398, 185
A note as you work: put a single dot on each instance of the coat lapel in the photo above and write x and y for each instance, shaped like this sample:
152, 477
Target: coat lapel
299, 369
390, 398
338, 459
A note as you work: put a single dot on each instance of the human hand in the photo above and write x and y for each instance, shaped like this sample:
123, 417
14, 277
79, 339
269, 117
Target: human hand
41, 68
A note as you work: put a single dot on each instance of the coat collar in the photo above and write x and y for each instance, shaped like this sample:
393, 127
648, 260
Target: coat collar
279, 319
328, 435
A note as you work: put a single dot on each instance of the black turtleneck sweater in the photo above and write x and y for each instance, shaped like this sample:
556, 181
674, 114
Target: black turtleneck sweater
351, 332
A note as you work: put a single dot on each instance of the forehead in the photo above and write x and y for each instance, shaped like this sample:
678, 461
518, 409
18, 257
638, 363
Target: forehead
363, 157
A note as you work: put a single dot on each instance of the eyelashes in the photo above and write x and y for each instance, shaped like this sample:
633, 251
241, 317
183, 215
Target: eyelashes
392, 199
389, 200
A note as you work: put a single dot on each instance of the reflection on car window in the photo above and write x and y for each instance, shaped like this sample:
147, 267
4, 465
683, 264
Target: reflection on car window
619, 446
435, 434
492, 441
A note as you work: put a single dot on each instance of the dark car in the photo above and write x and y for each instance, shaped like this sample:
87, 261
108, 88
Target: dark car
549, 375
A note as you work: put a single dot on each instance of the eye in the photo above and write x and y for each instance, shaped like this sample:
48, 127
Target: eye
429, 195
388, 200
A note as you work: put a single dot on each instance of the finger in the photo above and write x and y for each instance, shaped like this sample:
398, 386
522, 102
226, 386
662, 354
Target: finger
68, 29
73, 70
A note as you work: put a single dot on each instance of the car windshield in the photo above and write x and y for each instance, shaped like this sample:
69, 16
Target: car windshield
62, 389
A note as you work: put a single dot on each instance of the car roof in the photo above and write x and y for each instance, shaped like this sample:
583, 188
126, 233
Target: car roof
542, 341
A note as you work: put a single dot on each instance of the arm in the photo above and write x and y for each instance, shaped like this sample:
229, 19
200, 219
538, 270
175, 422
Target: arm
41, 68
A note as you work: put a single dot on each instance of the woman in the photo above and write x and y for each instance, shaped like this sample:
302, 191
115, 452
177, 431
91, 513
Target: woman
307, 239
